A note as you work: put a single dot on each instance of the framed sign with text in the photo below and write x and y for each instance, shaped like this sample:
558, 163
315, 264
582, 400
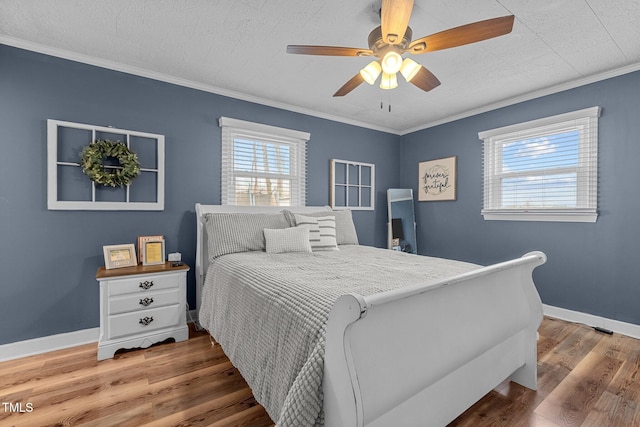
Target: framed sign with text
437, 180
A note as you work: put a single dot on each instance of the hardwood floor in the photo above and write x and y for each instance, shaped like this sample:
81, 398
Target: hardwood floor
585, 378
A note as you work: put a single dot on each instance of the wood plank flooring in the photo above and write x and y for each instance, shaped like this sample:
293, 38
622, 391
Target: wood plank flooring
585, 378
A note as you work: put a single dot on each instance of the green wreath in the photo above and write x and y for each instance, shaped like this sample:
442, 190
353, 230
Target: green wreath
95, 153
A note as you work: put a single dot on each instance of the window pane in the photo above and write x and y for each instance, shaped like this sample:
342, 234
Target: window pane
257, 156
545, 169
550, 191
262, 164
550, 151
340, 173
250, 191
354, 196
340, 196
366, 175
354, 175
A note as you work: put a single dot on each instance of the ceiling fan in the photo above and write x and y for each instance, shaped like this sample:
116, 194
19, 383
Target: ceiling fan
392, 39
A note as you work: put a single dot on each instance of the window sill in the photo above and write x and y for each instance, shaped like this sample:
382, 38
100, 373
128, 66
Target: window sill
541, 216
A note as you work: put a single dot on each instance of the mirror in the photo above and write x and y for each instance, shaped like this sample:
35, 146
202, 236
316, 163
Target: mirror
402, 223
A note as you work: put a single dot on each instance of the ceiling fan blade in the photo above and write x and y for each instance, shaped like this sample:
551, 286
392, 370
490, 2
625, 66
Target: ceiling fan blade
350, 85
394, 19
465, 34
425, 79
328, 50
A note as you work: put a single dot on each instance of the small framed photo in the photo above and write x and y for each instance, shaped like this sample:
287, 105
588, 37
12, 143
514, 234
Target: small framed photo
141, 240
118, 256
153, 252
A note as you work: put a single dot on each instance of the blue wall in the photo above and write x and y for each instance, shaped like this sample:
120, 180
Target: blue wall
592, 268
49, 258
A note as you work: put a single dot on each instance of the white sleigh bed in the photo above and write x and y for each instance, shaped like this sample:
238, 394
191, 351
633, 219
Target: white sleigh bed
417, 355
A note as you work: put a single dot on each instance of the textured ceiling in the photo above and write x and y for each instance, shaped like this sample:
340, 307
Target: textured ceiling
238, 47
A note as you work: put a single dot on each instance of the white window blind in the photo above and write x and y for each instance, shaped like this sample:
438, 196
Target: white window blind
544, 170
262, 165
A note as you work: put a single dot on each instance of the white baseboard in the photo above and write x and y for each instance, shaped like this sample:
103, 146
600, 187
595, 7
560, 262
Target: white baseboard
34, 346
16, 350
623, 328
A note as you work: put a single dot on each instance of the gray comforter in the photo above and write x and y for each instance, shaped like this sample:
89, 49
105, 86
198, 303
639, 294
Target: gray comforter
269, 312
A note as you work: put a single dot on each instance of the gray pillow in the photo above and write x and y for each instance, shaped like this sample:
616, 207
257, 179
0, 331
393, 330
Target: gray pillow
229, 233
293, 239
345, 229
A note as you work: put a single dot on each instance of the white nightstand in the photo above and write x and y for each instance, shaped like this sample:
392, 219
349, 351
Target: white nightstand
140, 306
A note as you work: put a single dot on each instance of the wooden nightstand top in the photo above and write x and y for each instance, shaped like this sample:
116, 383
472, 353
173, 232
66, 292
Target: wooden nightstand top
103, 273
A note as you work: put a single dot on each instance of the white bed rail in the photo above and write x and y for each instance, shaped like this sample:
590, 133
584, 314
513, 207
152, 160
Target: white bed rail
421, 355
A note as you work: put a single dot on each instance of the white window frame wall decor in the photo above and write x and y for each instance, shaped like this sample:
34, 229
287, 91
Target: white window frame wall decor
352, 185
544, 174
294, 171
55, 164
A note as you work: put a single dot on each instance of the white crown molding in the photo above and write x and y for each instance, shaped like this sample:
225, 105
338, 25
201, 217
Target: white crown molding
90, 60
529, 96
137, 71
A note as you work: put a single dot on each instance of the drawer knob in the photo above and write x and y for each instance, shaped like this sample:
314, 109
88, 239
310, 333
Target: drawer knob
145, 302
146, 284
146, 320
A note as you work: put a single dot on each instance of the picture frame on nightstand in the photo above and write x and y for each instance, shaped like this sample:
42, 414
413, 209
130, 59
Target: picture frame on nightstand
153, 252
141, 240
118, 256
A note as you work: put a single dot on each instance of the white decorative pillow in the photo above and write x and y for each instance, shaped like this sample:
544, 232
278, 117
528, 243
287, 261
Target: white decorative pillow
294, 239
322, 231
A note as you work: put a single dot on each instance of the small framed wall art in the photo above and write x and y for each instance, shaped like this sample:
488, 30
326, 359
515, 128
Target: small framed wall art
118, 256
141, 240
437, 179
153, 252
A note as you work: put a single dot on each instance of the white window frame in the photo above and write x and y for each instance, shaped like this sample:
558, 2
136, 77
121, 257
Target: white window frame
232, 128
584, 121
54, 164
350, 183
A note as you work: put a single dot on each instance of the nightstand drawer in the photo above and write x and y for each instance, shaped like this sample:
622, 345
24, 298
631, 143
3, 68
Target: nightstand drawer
143, 301
145, 283
145, 321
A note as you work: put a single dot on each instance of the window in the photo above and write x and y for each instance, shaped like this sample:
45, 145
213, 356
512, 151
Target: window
68, 188
543, 170
352, 185
262, 165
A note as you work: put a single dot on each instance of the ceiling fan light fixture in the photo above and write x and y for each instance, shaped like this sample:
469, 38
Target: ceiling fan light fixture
371, 72
409, 69
388, 81
391, 62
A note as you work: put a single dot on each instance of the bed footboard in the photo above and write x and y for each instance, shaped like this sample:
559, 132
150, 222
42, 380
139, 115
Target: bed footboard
421, 355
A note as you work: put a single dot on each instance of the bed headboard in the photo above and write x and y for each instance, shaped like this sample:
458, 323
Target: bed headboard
202, 257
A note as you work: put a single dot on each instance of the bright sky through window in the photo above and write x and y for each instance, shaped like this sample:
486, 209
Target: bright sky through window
543, 170
540, 172
262, 165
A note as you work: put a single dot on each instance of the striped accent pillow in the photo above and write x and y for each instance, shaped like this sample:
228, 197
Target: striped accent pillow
322, 231
294, 239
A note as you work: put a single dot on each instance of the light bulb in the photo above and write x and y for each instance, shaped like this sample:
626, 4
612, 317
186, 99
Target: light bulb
371, 72
391, 62
388, 81
409, 69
